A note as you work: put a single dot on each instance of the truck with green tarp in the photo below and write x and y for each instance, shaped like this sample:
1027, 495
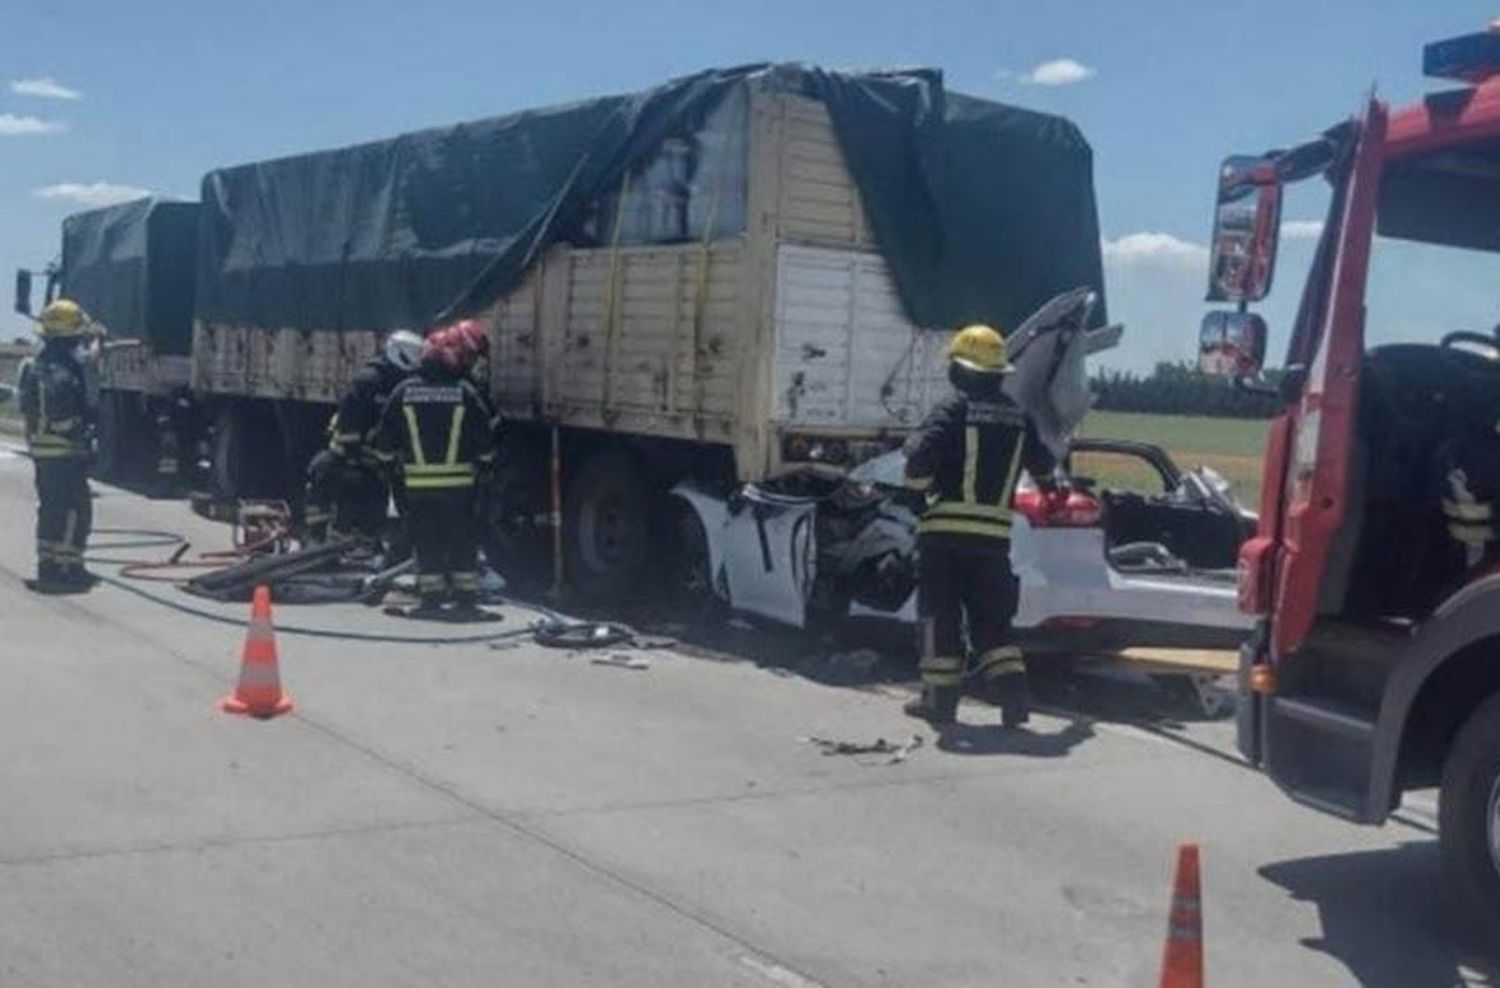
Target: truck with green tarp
732, 276
131, 266
736, 274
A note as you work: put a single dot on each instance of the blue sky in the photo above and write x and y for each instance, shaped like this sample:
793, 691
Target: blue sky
165, 91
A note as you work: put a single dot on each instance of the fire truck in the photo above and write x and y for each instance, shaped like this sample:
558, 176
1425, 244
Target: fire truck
1374, 575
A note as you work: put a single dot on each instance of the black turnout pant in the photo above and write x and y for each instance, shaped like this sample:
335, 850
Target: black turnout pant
443, 525
64, 516
965, 581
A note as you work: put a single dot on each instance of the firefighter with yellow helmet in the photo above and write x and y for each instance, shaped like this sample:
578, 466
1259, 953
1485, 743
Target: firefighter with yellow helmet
59, 412
967, 456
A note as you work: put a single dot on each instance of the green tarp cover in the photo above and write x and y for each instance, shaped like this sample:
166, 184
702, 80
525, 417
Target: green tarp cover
132, 266
983, 211
132, 269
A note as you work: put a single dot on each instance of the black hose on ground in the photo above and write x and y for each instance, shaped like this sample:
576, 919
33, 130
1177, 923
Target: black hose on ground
151, 539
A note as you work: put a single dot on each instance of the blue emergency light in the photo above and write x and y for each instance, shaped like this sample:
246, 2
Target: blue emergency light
1467, 58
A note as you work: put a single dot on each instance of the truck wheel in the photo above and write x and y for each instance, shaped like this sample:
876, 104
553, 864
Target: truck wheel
514, 543
1469, 816
227, 454
606, 525
108, 462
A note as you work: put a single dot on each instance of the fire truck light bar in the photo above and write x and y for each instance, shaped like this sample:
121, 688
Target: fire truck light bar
1467, 58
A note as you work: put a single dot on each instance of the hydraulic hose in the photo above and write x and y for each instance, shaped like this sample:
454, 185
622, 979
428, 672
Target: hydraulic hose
153, 539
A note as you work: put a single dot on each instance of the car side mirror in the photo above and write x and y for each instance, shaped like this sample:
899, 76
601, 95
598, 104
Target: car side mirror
23, 292
1232, 344
1247, 228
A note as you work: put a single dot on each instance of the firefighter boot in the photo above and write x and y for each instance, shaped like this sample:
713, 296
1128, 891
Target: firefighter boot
937, 705
48, 574
1010, 692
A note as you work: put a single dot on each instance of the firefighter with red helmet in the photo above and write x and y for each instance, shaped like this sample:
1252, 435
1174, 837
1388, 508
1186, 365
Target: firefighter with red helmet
435, 430
967, 457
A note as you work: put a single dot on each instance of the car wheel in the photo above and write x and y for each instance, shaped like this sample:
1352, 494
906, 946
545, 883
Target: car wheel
1469, 817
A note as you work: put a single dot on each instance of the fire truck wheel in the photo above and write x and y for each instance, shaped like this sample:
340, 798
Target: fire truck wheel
1469, 816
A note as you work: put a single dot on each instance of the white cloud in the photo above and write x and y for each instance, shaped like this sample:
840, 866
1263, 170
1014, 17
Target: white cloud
1302, 229
44, 86
91, 193
1159, 249
1058, 72
1154, 284
14, 126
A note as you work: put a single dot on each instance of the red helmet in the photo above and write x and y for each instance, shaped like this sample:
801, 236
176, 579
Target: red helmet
443, 349
471, 335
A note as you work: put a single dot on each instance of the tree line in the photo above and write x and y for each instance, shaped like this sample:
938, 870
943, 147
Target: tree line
1178, 389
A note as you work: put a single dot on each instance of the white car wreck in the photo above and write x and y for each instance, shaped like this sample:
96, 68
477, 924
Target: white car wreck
1100, 569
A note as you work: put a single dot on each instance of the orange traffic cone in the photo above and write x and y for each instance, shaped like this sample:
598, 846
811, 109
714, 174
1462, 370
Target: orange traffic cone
1182, 958
259, 691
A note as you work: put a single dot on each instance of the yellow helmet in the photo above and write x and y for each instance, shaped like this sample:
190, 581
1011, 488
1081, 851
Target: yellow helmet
63, 318
979, 348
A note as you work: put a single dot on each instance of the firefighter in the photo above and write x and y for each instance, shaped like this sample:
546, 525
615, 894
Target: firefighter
435, 430
967, 457
346, 485
54, 399
470, 336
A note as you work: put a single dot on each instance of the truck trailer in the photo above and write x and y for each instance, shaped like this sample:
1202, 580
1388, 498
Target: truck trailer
731, 275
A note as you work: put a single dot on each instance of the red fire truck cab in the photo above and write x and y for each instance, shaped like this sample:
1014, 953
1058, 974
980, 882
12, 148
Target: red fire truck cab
1374, 576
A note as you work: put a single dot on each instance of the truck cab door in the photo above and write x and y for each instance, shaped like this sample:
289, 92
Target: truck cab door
1323, 422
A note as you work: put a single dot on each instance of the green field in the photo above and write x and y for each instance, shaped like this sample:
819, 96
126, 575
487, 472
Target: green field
1231, 446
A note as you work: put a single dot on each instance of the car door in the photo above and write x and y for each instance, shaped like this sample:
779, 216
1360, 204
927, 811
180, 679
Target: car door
770, 554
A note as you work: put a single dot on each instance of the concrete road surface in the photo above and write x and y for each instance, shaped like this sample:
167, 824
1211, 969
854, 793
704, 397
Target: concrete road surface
467, 815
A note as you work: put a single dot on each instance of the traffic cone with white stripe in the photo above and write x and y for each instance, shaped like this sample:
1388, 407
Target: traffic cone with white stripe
1182, 958
258, 693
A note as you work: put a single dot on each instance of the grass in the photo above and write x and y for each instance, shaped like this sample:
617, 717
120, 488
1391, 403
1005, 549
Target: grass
1233, 447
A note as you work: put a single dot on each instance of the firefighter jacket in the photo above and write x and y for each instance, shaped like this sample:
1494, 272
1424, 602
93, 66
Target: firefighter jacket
358, 416
435, 428
54, 402
968, 456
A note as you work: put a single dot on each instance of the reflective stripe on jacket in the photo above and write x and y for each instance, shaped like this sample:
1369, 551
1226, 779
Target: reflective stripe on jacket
54, 403
436, 427
968, 455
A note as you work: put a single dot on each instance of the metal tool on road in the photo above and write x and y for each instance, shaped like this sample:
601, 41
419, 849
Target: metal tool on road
377, 585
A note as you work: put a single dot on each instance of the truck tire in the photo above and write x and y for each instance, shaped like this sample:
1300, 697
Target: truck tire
126, 442
1469, 817
227, 453
109, 438
606, 526
247, 457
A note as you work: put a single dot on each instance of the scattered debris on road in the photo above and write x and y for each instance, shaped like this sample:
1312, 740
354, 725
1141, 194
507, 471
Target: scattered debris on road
622, 661
880, 746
